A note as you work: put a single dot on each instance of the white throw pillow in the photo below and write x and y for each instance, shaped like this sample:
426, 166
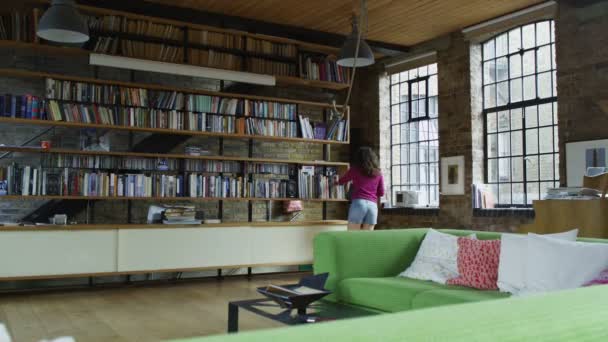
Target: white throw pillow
436, 259
512, 265
558, 265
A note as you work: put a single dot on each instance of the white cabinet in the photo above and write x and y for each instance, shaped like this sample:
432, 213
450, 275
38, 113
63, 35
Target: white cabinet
55, 253
182, 248
41, 253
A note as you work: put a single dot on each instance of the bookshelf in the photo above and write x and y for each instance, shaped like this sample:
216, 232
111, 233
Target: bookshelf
180, 90
292, 62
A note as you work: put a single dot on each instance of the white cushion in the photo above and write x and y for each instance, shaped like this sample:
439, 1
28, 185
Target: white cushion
436, 259
558, 265
512, 264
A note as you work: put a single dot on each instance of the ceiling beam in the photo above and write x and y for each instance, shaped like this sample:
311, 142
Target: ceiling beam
237, 23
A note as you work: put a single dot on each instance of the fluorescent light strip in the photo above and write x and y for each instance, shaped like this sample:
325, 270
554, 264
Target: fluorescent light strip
412, 59
180, 69
510, 16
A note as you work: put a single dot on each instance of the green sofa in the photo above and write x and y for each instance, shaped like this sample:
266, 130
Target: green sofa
363, 268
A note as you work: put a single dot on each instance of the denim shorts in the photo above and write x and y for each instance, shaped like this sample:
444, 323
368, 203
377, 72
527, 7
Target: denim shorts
363, 212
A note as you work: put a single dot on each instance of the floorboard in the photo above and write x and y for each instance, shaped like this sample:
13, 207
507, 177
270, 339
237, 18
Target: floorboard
137, 313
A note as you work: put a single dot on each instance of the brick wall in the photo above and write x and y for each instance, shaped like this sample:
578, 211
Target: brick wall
116, 211
582, 62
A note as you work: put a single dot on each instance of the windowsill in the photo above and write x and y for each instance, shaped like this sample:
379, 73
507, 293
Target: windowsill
422, 211
503, 212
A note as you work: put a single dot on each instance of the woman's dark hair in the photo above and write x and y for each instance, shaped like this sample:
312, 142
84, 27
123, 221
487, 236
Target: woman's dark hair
367, 161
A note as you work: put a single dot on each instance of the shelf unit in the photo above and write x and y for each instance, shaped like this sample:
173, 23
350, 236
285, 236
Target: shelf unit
44, 75
186, 46
220, 136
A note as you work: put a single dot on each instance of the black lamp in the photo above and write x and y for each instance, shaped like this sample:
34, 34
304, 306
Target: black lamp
63, 24
347, 57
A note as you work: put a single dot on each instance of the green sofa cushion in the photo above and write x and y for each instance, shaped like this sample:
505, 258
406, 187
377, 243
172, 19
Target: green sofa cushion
393, 294
389, 294
453, 295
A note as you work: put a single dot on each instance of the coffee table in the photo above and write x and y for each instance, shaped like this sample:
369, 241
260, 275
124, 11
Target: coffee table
316, 312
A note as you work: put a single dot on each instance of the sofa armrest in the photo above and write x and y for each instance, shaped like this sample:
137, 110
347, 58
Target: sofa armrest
383, 253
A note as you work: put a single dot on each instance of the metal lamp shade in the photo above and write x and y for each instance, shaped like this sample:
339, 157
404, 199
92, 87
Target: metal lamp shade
347, 58
63, 24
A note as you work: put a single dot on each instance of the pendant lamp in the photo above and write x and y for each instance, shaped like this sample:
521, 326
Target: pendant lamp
62, 23
347, 57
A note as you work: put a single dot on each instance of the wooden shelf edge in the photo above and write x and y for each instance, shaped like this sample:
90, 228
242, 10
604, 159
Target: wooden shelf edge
169, 156
167, 131
296, 81
257, 225
165, 199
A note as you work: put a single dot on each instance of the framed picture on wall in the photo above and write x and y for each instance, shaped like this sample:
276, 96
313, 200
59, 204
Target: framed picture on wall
452, 175
582, 155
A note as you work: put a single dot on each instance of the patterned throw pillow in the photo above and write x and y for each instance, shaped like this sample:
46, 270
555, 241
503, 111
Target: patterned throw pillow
436, 258
601, 279
477, 264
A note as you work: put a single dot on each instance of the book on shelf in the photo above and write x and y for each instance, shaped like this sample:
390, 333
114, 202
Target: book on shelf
151, 29
338, 130
322, 68
314, 183
218, 39
22, 107
109, 23
265, 66
270, 48
19, 26
275, 169
214, 59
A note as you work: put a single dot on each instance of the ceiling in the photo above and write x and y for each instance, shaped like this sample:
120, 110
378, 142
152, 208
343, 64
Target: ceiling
402, 22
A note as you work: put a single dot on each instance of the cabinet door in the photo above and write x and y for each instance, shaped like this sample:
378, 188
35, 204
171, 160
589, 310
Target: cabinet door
40, 253
182, 248
285, 245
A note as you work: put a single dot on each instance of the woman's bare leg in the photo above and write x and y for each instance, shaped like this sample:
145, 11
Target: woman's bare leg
354, 226
367, 226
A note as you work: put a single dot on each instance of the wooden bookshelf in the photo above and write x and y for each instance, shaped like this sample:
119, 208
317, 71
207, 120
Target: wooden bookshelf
167, 131
42, 75
187, 46
170, 156
166, 199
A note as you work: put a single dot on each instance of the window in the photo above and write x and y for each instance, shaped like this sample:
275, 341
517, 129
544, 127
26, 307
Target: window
414, 133
520, 111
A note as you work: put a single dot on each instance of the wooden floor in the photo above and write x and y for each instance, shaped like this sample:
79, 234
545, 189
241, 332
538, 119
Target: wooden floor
142, 313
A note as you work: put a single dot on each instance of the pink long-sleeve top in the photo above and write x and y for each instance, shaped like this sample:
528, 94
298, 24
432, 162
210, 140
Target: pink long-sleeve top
363, 187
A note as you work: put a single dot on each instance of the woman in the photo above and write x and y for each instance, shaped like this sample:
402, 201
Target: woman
366, 189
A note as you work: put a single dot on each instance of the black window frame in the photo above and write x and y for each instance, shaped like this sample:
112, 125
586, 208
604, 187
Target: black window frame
411, 119
523, 105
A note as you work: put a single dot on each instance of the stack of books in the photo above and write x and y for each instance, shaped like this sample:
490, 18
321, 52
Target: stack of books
210, 38
270, 48
180, 215
19, 26
264, 66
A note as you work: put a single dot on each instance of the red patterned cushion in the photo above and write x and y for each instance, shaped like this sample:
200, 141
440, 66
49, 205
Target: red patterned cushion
477, 264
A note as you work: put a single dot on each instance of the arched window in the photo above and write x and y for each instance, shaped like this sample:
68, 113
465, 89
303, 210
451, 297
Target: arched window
414, 134
520, 111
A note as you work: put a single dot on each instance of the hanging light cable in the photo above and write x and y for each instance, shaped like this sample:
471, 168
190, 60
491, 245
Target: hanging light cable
350, 55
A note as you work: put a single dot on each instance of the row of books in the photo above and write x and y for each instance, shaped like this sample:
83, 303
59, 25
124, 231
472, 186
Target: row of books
154, 51
275, 169
223, 40
104, 23
270, 48
19, 26
338, 130
316, 185
118, 95
33, 181
322, 69
22, 106
143, 164
267, 188
215, 59
265, 127
114, 23
264, 66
